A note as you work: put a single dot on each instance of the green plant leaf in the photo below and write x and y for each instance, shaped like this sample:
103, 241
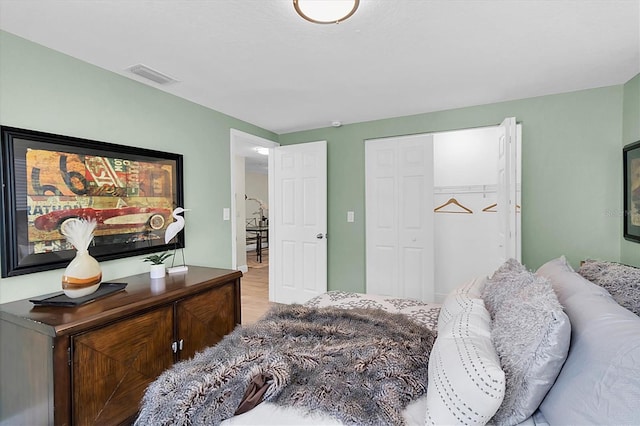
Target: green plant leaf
157, 259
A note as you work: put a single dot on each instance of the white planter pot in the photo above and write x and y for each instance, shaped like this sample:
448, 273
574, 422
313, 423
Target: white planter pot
158, 285
157, 271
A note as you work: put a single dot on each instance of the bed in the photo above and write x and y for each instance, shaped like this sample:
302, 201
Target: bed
513, 348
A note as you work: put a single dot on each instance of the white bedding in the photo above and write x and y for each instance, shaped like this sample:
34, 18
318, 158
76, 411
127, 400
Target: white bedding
423, 312
267, 414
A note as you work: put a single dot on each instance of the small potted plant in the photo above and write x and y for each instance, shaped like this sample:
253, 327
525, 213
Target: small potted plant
157, 264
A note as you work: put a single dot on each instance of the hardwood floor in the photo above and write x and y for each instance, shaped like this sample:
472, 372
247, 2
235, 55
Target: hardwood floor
254, 296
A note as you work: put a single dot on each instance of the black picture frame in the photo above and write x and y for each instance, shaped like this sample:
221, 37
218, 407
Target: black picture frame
47, 178
631, 173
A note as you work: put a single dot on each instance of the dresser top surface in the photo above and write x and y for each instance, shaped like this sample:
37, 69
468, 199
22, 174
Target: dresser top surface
140, 293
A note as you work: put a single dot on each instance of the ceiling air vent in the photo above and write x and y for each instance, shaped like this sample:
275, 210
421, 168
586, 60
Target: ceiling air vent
151, 74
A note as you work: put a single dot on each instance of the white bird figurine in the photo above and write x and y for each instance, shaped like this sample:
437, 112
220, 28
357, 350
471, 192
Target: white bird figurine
175, 227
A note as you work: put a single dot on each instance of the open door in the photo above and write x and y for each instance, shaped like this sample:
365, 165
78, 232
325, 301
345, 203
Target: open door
298, 225
507, 187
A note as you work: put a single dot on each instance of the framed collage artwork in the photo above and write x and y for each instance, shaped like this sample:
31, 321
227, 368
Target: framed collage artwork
631, 173
48, 179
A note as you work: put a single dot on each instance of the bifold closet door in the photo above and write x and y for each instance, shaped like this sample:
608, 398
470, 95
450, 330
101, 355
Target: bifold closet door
399, 221
508, 167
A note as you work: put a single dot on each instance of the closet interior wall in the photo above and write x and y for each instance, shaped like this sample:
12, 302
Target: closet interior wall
465, 170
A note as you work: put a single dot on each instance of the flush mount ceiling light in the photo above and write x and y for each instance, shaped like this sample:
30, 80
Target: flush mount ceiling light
326, 11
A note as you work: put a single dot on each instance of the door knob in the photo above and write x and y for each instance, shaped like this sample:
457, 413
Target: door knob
320, 236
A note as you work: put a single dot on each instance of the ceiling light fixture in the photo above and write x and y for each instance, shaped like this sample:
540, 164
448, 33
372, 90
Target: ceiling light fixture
326, 11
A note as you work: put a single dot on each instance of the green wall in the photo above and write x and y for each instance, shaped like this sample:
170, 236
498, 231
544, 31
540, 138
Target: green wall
630, 251
571, 176
572, 172
44, 90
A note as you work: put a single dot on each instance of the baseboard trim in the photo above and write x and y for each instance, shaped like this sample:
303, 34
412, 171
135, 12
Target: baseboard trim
243, 268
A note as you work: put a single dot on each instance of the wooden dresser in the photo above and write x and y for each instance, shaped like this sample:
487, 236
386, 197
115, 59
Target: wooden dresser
90, 365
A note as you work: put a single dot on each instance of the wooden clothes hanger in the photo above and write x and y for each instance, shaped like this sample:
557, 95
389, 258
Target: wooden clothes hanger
455, 202
491, 208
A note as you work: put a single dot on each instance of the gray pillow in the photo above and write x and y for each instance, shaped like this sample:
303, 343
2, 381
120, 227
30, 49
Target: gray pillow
504, 281
531, 334
621, 281
599, 383
507, 268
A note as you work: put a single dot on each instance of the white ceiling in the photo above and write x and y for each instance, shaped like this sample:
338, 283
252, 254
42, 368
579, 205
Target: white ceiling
258, 61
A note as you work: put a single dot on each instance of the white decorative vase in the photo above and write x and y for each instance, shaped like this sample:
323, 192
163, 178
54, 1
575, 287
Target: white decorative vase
82, 276
157, 271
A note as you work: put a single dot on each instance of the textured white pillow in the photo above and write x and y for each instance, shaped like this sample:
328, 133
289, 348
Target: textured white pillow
459, 299
466, 383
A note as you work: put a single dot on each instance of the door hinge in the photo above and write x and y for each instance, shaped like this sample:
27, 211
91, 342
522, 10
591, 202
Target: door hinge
69, 356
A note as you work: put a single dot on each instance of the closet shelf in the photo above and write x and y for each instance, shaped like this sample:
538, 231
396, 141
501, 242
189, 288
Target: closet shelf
469, 189
466, 189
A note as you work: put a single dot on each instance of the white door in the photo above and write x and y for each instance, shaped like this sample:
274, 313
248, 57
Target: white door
298, 227
399, 225
507, 184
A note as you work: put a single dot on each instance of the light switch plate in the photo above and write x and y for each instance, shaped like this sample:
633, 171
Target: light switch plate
350, 216
226, 213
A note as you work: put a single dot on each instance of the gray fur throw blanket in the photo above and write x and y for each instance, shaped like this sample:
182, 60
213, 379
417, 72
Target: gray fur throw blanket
361, 366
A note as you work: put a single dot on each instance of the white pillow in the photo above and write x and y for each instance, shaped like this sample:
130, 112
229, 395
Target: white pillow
459, 298
466, 383
599, 382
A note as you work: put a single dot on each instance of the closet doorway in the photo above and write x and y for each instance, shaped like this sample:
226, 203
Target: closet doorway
470, 205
